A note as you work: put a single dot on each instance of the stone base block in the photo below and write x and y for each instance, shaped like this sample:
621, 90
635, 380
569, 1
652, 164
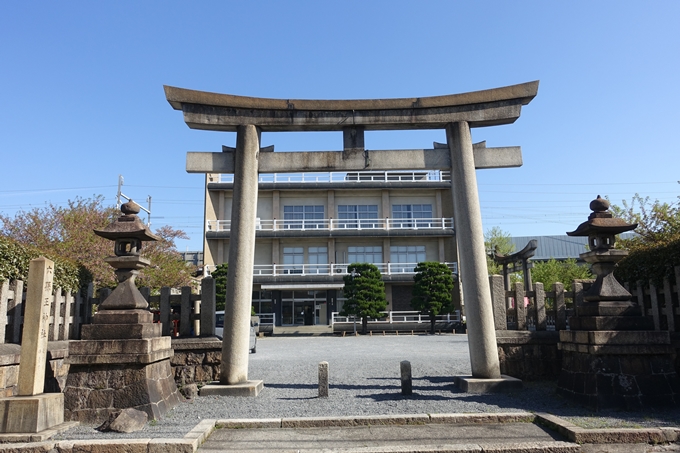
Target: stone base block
471, 384
95, 391
619, 380
40, 436
123, 317
609, 308
147, 350
31, 414
611, 338
248, 388
611, 323
120, 331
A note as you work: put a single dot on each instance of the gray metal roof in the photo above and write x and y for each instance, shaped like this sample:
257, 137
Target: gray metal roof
559, 247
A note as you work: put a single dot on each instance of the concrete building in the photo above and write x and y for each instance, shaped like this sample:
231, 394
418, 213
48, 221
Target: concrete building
310, 226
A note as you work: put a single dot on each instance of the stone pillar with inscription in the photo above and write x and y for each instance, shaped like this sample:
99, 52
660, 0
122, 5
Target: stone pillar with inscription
122, 360
33, 411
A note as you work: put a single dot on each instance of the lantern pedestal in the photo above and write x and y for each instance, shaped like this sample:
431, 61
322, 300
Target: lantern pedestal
613, 369
612, 357
121, 362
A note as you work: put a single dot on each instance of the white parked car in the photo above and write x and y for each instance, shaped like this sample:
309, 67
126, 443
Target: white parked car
219, 330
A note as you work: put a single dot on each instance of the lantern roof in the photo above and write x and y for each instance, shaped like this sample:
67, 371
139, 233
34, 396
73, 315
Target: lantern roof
601, 221
128, 225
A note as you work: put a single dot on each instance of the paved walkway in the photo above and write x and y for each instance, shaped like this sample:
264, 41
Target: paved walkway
509, 437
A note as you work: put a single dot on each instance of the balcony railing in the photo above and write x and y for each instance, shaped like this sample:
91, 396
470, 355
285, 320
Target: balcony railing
331, 269
394, 317
442, 223
348, 177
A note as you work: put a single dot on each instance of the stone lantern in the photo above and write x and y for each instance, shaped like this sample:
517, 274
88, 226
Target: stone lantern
611, 356
122, 360
128, 232
607, 304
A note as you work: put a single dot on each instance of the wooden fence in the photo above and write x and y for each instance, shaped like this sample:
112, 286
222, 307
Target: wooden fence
67, 313
194, 314
550, 310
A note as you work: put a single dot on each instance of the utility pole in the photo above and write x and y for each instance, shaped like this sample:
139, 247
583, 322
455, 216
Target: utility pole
120, 195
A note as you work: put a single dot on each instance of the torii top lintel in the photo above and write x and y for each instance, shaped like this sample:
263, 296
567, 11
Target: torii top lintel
225, 112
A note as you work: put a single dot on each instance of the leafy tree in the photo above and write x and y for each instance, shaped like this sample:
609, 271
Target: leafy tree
432, 290
658, 223
655, 250
497, 241
15, 260
365, 293
565, 272
220, 275
167, 266
67, 232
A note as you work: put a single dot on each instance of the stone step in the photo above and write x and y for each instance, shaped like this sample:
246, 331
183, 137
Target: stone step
430, 437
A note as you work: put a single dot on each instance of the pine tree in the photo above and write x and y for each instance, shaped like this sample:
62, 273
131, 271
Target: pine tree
220, 276
432, 290
365, 293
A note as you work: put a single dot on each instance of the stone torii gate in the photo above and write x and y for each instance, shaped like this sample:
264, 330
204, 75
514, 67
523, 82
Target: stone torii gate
457, 114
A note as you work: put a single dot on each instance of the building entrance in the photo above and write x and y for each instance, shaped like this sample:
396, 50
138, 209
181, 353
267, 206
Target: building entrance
303, 308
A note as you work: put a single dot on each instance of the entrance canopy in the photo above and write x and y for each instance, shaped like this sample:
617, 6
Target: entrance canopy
225, 112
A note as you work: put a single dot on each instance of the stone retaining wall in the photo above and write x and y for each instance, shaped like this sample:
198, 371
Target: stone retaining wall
55, 374
196, 360
529, 356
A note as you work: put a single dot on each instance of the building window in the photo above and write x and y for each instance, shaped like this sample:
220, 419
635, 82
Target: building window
262, 302
407, 215
293, 260
371, 255
303, 217
318, 260
404, 258
358, 216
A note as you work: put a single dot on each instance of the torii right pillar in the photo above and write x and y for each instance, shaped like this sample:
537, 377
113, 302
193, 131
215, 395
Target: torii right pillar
486, 374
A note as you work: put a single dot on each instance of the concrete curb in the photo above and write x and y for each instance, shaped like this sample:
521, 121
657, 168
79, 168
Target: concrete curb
187, 444
195, 438
608, 435
376, 420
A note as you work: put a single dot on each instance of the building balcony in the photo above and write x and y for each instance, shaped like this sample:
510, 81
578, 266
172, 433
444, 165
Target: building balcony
307, 271
331, 180
221, 229
356, 176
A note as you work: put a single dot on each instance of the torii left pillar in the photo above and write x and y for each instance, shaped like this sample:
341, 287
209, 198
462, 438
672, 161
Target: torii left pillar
234, 368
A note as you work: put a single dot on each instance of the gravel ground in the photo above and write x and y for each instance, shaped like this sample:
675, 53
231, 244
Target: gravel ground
365, 380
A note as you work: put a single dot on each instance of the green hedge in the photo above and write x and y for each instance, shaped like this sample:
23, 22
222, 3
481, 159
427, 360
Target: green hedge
650, 262
15, 259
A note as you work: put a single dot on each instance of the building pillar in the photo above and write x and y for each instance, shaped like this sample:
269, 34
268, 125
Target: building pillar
276, 254
439, 212
385, 202
470, 238
330, 206
276, 207
235, 347
331, 254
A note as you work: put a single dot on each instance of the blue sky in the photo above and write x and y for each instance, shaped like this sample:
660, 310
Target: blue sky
82, 89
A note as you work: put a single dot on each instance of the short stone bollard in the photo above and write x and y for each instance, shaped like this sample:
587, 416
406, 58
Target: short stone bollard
406, 379
323, 379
